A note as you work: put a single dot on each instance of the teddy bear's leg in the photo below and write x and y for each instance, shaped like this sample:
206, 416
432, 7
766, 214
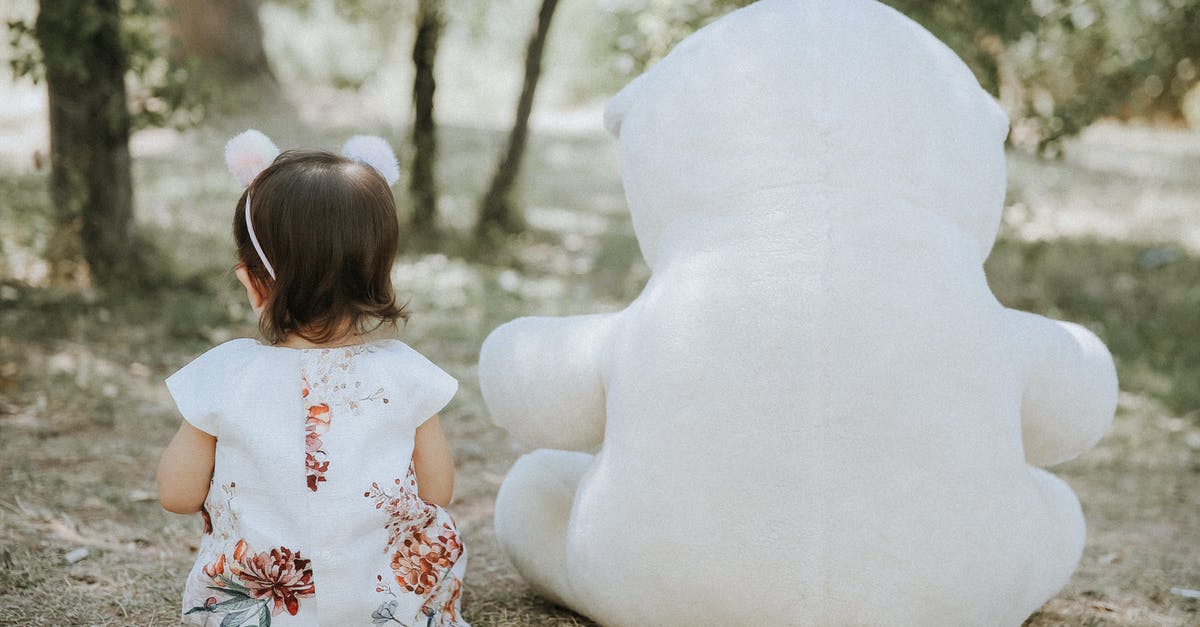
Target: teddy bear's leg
1061, 546
532, 511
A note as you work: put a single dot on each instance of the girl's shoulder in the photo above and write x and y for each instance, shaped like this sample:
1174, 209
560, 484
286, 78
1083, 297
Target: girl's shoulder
405, 361
237, 348
244, 369
220, 358
196, 386
398, 353
428, 387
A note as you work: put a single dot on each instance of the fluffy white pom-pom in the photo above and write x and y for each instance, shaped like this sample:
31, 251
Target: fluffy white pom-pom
375, 152
248, 154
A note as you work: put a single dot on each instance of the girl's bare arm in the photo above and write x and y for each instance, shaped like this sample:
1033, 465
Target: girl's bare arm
433, 464
185, 470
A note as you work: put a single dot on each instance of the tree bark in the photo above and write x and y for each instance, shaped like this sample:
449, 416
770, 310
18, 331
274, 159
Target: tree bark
422, 185
90, 180
496, 211
225, 36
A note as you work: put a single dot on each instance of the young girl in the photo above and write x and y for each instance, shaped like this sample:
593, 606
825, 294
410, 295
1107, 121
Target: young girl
315, 459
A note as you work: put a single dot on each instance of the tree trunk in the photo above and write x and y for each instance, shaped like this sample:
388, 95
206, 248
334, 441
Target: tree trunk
422, 185
89, 139
226, 35
496, 211
224, 40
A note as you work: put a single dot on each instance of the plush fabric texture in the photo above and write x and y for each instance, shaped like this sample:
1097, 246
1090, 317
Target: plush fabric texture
816, 412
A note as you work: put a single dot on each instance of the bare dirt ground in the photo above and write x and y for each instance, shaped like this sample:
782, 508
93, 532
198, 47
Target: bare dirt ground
1108, 237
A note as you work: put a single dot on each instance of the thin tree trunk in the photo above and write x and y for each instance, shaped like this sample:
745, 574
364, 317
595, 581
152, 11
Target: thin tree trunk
422, 183
496, 211
89, 138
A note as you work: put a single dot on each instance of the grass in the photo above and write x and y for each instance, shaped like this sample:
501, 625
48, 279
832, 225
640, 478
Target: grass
1148, 314
83, 413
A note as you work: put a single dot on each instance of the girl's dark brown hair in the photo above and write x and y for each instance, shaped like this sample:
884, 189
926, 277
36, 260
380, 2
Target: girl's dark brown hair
328, 226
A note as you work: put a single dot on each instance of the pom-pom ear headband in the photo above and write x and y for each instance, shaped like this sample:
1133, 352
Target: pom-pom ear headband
248, 154
375, 152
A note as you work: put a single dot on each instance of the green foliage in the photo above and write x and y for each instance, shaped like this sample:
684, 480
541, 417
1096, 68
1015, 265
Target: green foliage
26, 56
369, 26
25, 214
160, 93
1057, 65
650, 28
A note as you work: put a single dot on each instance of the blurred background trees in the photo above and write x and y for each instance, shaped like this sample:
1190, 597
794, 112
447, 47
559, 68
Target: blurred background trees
85, 62
1055, 65
496, 211
1106, 234
84, 51
422, 183
222, 41
105, 77
1058, 65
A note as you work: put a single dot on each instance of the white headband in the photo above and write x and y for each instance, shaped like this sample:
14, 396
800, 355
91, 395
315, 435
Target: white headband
248, 154
254, 239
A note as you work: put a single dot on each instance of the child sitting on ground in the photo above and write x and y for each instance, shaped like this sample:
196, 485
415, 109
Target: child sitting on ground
316, 458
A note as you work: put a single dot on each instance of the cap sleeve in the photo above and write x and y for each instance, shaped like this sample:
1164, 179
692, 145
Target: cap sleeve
426, 387
196, 387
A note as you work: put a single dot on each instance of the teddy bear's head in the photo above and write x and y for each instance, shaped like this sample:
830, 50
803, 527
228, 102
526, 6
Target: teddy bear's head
812, 96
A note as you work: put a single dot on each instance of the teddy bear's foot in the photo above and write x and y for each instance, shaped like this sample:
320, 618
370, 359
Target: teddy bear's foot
532, 512
1058, 553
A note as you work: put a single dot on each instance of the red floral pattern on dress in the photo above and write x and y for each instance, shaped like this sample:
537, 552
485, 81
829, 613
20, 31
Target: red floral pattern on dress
423, 553
217, 512
207, 518
407, 512
263, 584
444, 600
316, 463
323, 387
216, 568
279, 575
421, 560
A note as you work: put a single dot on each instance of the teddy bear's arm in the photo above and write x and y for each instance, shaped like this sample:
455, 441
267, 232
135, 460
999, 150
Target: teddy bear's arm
541, 379
1070, 388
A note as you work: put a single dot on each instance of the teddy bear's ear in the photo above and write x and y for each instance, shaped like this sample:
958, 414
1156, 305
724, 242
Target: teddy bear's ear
618, 106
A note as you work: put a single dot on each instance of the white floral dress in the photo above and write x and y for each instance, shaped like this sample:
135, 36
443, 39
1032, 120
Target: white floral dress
313, 516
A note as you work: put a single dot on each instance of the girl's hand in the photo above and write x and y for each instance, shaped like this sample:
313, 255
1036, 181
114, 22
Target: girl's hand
185, 470
433, 464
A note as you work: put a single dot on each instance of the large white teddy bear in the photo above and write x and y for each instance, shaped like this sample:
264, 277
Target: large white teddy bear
816, 412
